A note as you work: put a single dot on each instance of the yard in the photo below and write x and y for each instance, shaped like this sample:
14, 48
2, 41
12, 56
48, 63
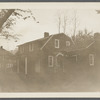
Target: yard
79, 82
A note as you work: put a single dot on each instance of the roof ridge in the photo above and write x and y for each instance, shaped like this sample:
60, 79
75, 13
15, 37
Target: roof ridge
90, 44
51, 37
46, 42
34, 40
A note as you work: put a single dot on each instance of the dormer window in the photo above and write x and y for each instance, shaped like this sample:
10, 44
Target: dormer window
30, 47
67, 43
56, 43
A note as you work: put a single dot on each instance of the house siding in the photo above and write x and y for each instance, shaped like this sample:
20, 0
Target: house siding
7, 61
37, 59
50, 50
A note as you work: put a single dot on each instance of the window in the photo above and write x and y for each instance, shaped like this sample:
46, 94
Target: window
50, 61
30, 47
91, 59
21, 49
56, 43
67, 43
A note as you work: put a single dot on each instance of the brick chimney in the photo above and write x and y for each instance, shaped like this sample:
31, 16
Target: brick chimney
46, 34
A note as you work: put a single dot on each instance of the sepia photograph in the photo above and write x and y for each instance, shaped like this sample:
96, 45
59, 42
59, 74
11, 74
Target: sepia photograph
49, 47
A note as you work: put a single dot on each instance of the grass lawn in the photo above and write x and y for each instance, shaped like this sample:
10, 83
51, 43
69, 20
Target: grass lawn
76, 82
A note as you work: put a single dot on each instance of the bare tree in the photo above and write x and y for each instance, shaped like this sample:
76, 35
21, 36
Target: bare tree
75, 24
64, 23
59, 22
84, 38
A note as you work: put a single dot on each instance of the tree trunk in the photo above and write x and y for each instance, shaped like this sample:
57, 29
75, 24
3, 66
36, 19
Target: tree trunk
5, 17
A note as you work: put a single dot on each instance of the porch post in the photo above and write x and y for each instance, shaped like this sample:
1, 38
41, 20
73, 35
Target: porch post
26, 65
17, 66
63, 64
55, 64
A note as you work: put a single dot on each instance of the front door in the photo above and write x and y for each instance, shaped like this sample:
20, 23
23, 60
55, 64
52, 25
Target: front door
59, 63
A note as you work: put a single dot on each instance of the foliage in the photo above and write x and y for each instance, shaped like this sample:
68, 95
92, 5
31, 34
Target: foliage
83, 38
9, 17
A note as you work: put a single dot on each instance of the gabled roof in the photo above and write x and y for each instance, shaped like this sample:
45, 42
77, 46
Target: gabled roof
77, 51
38, 40
90, 44
51, 38
3, 51
44, 41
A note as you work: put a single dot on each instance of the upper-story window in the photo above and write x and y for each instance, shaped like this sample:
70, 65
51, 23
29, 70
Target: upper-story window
56, 43
31, 47
21, 49
67, 43
3, 57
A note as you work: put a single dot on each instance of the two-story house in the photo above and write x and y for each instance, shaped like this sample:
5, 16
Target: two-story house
43, 55
87, 59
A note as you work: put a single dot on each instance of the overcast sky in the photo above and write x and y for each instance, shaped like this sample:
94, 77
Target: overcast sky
47, 16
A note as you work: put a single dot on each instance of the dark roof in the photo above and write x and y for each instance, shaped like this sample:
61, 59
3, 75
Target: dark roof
3, 51
73, 52
81, 50
42, 41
